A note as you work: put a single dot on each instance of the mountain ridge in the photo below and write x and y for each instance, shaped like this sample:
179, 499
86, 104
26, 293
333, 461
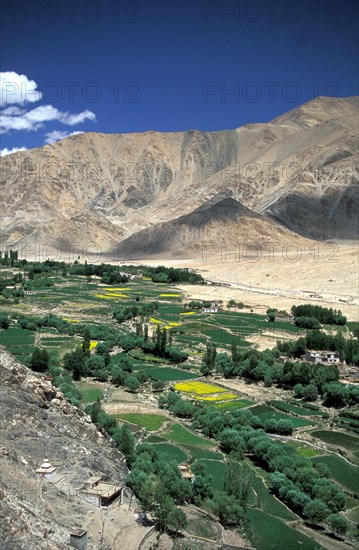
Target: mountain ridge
299, 171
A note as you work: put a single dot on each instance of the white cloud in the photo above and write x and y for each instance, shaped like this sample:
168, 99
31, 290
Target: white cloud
71, 120
57, 135
17, 88
6, 151
12, 119
12, 111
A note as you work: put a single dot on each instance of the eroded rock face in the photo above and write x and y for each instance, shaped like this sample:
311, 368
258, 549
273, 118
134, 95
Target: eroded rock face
37, 421
300, 170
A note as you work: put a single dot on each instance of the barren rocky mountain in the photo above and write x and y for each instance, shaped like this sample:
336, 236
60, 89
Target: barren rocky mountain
165, 193
37, 422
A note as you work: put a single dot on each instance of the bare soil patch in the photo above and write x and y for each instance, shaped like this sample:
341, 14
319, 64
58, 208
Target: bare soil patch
121, 401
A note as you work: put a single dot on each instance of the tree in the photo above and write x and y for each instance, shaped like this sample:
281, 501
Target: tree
163, 341
223, 362
94, 410
307, 322
101, 375
76, 362
238, 481
338, 524
271, 313
176, 355
160, 278
177, 520
310, 392
226, 508
94, 364
4, 320
39, 361
107, 358
231, 440
124, 363
201, 488
298, 390
118, 376
209, 359
86, 342
132, 384
158, 385
235, 355
125, 441
316, 511
170, 339
101, 348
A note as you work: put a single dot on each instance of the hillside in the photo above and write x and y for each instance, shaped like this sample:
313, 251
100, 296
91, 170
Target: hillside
93, 191
37, 422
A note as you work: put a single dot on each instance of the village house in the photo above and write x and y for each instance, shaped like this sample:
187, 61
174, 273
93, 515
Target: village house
186, 472
214, 307
321, 356
101, 493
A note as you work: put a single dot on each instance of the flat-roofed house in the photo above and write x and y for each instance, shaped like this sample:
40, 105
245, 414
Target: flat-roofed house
321, 356
101, 493
186, 472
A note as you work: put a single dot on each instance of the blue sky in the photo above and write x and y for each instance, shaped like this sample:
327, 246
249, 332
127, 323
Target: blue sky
132, 66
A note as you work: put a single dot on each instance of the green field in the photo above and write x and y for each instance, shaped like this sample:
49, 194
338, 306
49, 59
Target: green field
233, 404
54, 340
298, 409
302, 449
168, 374
216, 469
155, 439
17, 337
269, 503
179, 434
171, 452
341, 471
151, 422
270, 533
20, 350
198, 453
339, 439
265, 412
90, 392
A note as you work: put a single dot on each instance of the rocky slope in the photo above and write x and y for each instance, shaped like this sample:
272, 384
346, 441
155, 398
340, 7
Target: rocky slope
37, 422
93, 191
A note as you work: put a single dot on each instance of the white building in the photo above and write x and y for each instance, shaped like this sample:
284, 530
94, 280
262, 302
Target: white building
46, 470
321, 356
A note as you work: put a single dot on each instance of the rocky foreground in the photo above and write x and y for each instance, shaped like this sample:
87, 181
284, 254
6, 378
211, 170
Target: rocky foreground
37, 422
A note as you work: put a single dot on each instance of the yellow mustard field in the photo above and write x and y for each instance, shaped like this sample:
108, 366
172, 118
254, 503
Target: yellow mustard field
156, 321
188, 313
199, 388
111, 295
170, 295
93, 344
214, 397
116, 289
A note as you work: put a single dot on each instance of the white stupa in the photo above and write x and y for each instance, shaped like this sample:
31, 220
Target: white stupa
46, 470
